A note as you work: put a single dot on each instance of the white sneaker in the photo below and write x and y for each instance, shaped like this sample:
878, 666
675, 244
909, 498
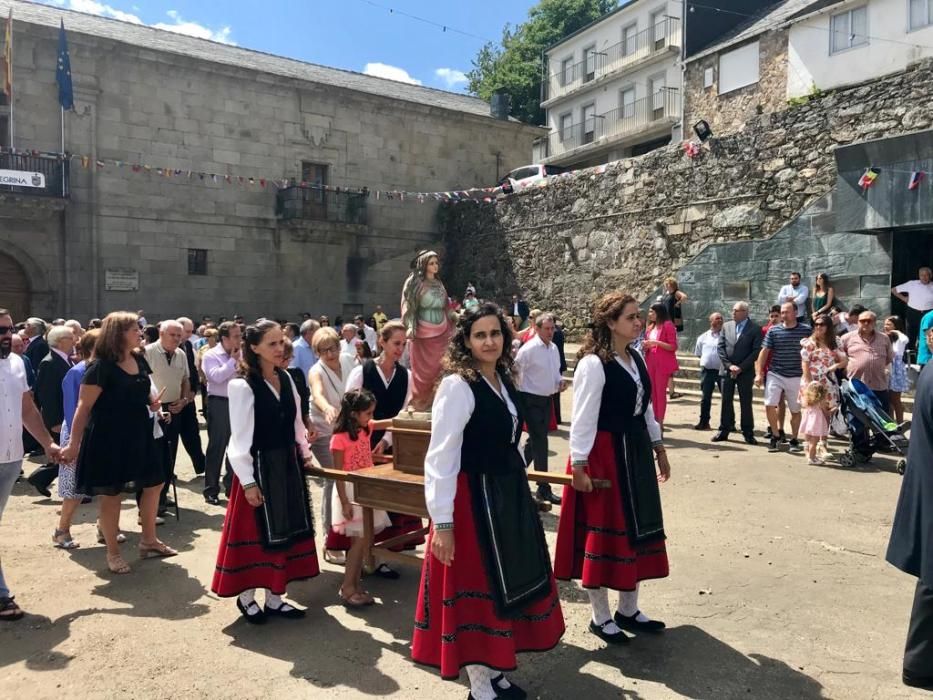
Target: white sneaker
158, 521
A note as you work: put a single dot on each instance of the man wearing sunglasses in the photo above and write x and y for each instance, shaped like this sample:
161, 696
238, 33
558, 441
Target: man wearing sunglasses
17, 410
870, 353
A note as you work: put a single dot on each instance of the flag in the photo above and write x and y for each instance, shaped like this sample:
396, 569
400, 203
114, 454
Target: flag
916, 178
66, 97
868, 178
6, 60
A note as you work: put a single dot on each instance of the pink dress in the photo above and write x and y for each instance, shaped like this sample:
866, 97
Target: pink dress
814, 422
661, 364
356, 455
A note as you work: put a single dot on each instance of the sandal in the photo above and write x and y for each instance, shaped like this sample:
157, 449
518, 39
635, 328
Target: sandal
117, 564
359, 599
9, 610
121, 538
335, 556
156, 549
61, 539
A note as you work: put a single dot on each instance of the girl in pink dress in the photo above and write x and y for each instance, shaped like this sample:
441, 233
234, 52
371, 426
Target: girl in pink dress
660, 349
350, 447
815, 422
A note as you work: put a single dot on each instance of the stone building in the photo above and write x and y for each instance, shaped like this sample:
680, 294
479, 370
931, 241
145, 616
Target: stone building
142, 216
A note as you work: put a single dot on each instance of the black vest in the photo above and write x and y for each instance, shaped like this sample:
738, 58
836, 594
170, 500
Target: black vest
389, 399
617, 408
274, 419
490, 445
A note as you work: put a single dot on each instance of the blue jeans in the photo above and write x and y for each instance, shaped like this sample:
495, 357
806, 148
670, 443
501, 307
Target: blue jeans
9, 471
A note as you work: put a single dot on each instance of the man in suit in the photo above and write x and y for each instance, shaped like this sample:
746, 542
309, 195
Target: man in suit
36, 347
739, 345
189, 430
519, 311
48, 392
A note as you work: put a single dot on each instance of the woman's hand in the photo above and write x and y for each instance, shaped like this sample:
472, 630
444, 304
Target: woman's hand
155, 402
347, 509
582, 481
308, 463
664, 467
68, 454
311, 435
254, 496
647, 343
442, 546
330, 414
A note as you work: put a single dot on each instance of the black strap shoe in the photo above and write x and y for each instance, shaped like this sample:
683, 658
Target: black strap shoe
252, 613
633, 625
513, 692
618, 638
284, 610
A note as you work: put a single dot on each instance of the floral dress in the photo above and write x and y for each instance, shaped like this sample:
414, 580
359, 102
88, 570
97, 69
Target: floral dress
821, 359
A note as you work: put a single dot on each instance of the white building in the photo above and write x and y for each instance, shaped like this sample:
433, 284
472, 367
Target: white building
612, 88
858, 40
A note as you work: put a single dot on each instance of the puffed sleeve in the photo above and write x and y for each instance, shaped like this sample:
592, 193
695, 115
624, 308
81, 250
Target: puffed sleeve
588, 382
242, 406
452, 409
355, 380
301, 434
654, 429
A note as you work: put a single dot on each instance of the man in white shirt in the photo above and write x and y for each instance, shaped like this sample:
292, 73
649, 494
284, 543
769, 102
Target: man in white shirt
707, 349
350, 340
796, 293
918, 295
368, 332
538, 363
17, 410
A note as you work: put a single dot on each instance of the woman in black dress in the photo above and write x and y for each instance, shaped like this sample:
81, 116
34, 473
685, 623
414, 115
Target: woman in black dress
112, 437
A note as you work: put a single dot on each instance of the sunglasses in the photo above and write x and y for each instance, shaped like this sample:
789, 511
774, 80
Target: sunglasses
6, 329
866, 320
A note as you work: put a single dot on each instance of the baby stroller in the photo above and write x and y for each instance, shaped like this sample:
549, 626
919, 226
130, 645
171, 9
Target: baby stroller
859, 403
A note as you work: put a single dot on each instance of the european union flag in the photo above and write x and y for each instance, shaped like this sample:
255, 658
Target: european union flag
66, 97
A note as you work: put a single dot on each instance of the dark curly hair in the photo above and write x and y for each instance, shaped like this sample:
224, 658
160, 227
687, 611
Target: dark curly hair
598, 340
253, 335
459, 359
353, 402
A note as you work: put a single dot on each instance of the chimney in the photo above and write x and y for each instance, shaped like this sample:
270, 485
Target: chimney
499, 104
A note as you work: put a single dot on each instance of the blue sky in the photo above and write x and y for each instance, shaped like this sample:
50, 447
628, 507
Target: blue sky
360, 35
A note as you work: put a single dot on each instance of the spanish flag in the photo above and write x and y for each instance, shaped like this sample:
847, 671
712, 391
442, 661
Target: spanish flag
6, 59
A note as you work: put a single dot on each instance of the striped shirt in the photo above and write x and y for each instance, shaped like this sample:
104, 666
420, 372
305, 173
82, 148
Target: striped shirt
784, 344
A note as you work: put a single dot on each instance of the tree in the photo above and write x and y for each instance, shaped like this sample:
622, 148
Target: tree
515, 63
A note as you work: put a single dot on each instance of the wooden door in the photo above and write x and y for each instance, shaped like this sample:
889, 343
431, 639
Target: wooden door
14, 288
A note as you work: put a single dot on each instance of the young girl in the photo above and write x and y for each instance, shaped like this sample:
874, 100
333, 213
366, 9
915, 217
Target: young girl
351, 450
815, 423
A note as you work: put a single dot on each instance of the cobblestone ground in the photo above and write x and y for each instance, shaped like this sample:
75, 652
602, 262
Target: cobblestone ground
778, 589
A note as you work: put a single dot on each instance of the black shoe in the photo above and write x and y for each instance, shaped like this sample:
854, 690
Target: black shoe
633, 625
199, 472
43, 489
163, 512
795, 445
169, 503
702, 426
256, 618
86, 500
750, 439
618, 638
782, 437
292, 613
922, 682
212, 500
773, 445
513, 692
721, 436
549, 497
385, 571
768, 433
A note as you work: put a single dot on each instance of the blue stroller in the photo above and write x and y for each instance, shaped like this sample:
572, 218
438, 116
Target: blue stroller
860, 404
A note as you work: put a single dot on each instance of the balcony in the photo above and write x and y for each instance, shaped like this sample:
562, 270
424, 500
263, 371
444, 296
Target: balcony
652, 115
644, 47
34, 175
314, 204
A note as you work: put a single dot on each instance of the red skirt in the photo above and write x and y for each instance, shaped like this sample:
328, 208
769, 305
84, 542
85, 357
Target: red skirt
455, 619
592, 543
243, 564
401, 525
337, 542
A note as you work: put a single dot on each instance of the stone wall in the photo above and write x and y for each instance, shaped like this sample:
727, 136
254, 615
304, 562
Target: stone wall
733, 110
639, 220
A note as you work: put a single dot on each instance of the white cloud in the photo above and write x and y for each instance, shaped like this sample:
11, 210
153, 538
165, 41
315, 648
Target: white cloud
179, 25
451, 77
382, 70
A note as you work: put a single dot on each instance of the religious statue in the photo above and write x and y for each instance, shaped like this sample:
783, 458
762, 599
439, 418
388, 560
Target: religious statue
429, 320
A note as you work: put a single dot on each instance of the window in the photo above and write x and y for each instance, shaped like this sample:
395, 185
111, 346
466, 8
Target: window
629, 39
848, 29
197, 261
4, 131
659, 31
709, 78
589, 123
566, 71
590, 59
314, 199
658, 86
627, 102
921, 13
738, 68
313, 173
566, 126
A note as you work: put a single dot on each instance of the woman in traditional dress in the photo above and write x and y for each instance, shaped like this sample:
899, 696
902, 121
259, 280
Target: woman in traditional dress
429, 321
268, 535
389, 382
328, 380
487, 589
613, 537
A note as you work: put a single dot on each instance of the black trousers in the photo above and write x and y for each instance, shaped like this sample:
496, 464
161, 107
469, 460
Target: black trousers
918, 654
185, 426
47, 473
537, 418
218, 435
744, 382
709, 380
556, 399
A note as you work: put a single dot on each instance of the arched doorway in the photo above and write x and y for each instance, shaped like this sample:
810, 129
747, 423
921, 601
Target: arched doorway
14, 288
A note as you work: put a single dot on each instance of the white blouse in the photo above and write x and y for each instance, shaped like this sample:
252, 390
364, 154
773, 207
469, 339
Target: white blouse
453, 407
334, 389
589, 378
242, 422
356, 382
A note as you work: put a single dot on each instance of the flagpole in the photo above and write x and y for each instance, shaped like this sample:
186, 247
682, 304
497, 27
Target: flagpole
63, 149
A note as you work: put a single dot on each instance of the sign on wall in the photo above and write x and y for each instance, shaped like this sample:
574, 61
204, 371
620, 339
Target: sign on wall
121, 279
21, 178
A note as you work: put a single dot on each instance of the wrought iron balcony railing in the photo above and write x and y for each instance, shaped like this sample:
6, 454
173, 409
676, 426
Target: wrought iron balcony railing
34, 175
317, 204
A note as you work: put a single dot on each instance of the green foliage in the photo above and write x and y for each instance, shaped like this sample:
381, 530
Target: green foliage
514, 64
814, 94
